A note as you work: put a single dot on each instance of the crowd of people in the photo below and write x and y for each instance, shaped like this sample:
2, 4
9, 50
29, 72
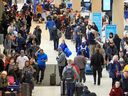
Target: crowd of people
23, 58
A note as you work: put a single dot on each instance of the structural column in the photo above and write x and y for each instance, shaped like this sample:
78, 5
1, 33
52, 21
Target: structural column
76, 5
57, 2
96, 5
118, 16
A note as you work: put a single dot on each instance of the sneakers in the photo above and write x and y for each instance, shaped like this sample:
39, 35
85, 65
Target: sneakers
38, 82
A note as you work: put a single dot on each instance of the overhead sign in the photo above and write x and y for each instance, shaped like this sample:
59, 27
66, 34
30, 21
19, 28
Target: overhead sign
110, 29
106, 5
97, 19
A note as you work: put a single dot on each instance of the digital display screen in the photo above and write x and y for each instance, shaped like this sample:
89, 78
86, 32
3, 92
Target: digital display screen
106, 5
86, 0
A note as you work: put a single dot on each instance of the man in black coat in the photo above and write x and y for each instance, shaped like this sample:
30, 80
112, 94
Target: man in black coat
55, 38
97, 62
1, 62
29, 20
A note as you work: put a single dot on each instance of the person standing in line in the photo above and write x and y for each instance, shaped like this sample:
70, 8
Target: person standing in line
97, 61
1, 63
50, 24
124, 81
61, 60
114, 68
29, 20
37, 32
80, 61
55, 38
20, 61
116, 90
68, 75
41, 60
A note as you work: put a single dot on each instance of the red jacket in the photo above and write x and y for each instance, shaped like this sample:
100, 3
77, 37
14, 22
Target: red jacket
116, 92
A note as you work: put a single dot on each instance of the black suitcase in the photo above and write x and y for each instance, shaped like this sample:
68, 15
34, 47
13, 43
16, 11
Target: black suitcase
53, 77
63, 88
25, 89
79, 89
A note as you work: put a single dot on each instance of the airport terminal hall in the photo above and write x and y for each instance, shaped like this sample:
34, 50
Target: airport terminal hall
63, 47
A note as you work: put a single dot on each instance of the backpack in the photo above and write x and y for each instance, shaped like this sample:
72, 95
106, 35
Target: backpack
69, 74
27, 77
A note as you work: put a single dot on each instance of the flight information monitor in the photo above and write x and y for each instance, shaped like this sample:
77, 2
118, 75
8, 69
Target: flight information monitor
106, 5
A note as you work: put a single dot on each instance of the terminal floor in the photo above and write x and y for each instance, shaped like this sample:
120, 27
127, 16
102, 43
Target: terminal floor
47, 45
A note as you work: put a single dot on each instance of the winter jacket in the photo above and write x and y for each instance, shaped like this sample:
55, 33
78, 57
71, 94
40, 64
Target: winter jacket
116, 92
80, 61
50, 24
111, 51
124, 84
113, 68
61, 59
97, 60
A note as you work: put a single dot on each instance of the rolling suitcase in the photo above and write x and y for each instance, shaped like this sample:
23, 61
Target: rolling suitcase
25, 89
53, 77
79, 89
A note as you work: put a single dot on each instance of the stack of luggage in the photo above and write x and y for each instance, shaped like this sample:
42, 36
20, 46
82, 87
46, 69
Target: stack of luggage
80, 90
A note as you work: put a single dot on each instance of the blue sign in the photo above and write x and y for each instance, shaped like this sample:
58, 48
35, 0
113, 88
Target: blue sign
97, 18
110, 29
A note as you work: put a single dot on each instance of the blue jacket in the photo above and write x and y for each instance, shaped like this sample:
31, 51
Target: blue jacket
40, 58
50, 24
113, 67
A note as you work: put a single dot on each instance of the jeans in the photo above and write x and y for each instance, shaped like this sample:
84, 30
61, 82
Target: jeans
42, 70
50, 34
82, 75
70, 89
56, 43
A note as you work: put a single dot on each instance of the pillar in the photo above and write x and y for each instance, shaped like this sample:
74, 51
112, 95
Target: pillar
76, 5
96, 5
118, 16
57, 2
1, 8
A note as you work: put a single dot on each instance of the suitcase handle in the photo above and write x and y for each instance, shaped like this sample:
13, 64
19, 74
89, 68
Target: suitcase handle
55, 69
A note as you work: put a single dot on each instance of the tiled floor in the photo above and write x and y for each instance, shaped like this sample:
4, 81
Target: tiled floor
47, 45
